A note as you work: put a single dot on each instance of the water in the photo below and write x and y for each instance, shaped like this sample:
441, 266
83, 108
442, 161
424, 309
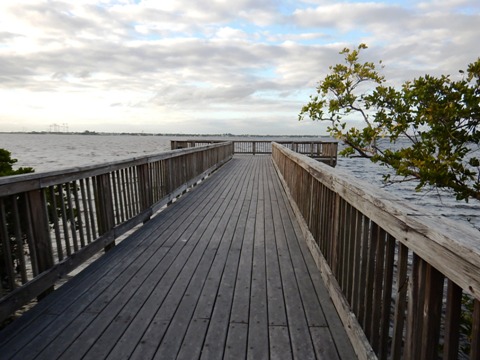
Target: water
45, 152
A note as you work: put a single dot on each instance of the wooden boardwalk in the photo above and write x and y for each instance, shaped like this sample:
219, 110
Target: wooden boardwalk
222, 274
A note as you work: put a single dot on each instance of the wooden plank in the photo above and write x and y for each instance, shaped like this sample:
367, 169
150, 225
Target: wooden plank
309, 299
280, 348
276, 303
203, 293
181, 214
341, 344
236, 347
293, 283
324, 343
355, 333
241, 299
192, 348
148, 329
178, 308
258, 346
101, 318
219, 315
205, 280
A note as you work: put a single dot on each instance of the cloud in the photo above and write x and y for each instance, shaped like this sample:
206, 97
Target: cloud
243, 63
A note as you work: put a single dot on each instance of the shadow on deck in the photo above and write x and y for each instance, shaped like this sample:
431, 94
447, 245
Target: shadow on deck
223, 273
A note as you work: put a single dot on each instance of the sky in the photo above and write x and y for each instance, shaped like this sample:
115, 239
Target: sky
209, 66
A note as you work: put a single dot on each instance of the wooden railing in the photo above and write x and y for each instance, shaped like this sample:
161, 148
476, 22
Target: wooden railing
52, 222
324, 151
406, 283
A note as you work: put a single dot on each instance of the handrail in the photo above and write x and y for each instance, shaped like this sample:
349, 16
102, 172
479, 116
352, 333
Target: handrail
324, 151
62, 218
401, 279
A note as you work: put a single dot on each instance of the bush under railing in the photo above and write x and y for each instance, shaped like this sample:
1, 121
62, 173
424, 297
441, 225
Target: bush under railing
406, 284
50, 223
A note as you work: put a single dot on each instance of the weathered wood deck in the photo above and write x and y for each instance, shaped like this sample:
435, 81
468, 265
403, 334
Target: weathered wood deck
223, 273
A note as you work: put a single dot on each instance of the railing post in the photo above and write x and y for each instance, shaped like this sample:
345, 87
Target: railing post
335, 232
253, 147
432, 312
40, 232
104, 204
416, 298
6, 248
144, 186
475, 345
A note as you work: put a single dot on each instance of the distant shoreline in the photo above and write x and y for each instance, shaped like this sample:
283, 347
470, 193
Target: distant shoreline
156, 134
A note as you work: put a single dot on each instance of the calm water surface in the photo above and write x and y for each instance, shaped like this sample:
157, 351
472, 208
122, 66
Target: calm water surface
45, 152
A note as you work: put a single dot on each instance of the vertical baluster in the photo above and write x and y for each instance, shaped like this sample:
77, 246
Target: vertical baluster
86, 211
104, 203
432, 312
19, 240
63, 212
337, 233
145, 187
38, 217
121, 195
340, 244
387, 296
7, 250
416, 300
115, 198
475, 336
378, 287
124, 194
90, 185
131, 191
351, 253
56, 225
360, 312
452, 321
356, 261
78, 214
71, 216
367, 325
400, 302
135, 190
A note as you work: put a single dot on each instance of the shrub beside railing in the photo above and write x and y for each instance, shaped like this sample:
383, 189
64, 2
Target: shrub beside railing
406, 284
52, 222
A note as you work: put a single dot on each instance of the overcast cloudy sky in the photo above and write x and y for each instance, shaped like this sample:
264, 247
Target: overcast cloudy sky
208, 66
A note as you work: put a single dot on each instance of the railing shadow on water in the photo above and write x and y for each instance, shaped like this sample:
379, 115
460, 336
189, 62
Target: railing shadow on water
50, 223
406, 284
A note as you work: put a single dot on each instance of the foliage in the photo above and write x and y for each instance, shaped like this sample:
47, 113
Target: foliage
6, 165
60, 202
342, 94
6, 169
437, 116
